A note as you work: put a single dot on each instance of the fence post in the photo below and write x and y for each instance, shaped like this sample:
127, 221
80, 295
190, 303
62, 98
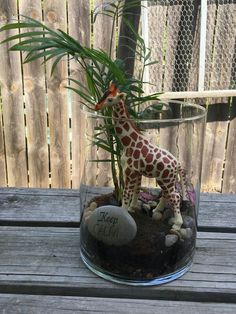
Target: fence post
12, 103
202, 48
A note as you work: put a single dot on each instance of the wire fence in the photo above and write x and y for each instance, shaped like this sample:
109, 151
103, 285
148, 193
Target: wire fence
194, 42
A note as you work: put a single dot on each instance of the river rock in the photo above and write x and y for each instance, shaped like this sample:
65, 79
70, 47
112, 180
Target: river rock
188, 222
112, 225
171, 239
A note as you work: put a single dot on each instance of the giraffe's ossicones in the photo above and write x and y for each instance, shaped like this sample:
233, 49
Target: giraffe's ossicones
142, 158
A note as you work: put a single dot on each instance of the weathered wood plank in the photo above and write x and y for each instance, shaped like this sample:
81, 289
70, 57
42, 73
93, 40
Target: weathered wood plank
79, 28
229, 177
35, 104
214, 147
42, 192
33, 304
219, 78
55, 17
53, 207
48, 262
223, 53
39, 210
12, 103
103, 39
3, 173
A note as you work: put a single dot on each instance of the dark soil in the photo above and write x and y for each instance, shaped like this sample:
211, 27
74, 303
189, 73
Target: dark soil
146, 257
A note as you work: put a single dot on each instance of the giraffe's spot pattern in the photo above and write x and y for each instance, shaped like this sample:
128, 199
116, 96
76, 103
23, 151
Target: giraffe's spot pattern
125, 140
160, 166
129, 161
134, 136
144, 151
139, 145
149, 168
149, 158
136, 154
118, 130
143, 158
165, 173
126, 126
133, 175
166, 160
127, 171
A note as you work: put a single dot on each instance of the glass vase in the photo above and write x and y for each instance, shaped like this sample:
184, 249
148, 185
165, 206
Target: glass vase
152, 241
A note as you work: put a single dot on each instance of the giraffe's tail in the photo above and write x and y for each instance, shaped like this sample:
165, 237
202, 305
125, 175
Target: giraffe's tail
183, 182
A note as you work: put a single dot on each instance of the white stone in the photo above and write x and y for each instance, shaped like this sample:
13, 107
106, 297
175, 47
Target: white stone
146, 207
157, 215
186, 233
170, 239
112, 225
93, 206
152, 204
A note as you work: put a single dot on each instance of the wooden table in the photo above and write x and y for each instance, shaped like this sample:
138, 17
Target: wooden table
41, 270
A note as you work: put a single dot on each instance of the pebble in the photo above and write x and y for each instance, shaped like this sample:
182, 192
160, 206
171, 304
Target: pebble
112, 225
93, 206
188, 222
147, 209
139, 205
152, 204
88, 211
168, 213
157, 215
186, 233
170, 240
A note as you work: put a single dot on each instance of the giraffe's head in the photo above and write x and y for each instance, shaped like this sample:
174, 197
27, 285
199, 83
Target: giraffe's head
111, 97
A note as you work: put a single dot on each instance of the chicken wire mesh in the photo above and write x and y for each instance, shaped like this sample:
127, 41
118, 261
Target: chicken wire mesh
173, 32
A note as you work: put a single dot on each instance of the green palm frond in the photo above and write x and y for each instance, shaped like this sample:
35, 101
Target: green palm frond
36, 40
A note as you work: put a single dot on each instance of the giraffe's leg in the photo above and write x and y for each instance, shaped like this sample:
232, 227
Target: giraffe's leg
129, 186
158, 211
183, 182
136, 191
176, 221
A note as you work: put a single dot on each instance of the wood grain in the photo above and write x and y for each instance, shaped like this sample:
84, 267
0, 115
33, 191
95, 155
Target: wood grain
35, 104
229, 178
56, 207
219, 75
3, 172
34, 304
214, 147
55, 17
48, 262
103, 39
79, 28
12, 103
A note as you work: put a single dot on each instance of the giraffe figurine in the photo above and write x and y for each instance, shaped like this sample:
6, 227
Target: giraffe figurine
142, 158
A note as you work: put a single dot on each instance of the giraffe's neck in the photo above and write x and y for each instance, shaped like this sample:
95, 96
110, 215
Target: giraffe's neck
125, 128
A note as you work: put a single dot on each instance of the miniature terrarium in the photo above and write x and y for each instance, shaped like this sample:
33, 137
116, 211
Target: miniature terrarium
141, 176
141, 230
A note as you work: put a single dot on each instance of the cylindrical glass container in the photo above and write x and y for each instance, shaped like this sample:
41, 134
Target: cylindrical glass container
153, 241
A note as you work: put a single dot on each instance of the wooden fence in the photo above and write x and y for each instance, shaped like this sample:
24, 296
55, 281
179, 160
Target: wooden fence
40, 142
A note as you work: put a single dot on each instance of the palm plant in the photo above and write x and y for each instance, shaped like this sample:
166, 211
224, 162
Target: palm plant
99, 68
